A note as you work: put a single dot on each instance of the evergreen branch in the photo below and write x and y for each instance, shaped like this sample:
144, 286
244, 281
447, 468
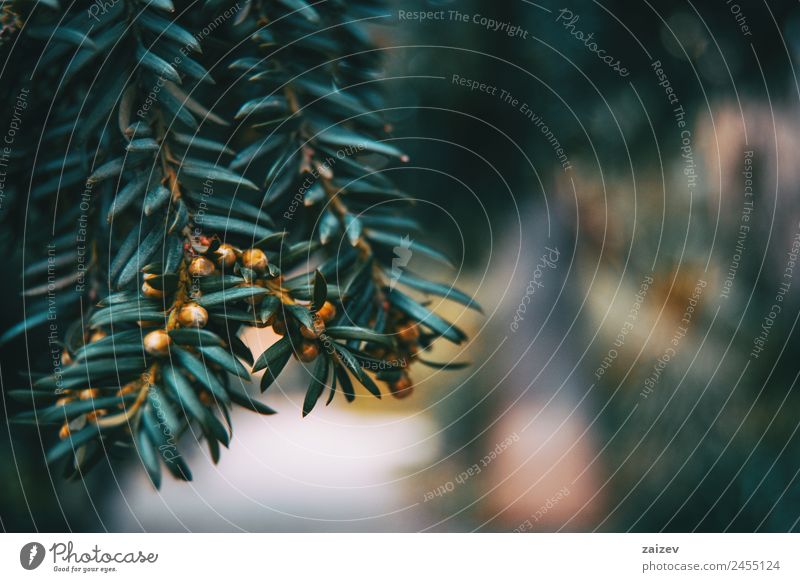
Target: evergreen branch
203, 220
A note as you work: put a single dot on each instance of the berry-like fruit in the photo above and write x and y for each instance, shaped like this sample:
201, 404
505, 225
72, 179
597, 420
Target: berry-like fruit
156, 343
192, 315
97, 336
308, 333
408, 333
308, 352
88, 393
151, 292
327, 312
226, 255
201, 267
256, 260
315, 331
402, 387
95, 414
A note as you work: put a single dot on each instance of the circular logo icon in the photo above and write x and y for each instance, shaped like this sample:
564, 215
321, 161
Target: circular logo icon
31, 555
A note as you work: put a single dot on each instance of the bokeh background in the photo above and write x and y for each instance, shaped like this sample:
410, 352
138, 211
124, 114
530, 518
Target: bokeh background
647, 261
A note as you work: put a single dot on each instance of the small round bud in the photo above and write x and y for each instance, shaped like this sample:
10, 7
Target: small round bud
307, 333
314, 332
201, 267
402, 387
327, 312
95, 414
66, 359
226, 255
256, 260
308, 352
88, 394
192, 315
64, 431
408, 333
156, 343
151, 292
97, 336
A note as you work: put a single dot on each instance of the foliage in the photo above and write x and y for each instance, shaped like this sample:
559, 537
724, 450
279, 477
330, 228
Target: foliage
193, 168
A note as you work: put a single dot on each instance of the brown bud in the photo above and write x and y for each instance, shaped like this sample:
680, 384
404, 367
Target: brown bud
95, 414
226, 256
62, 401
402, 387
408, 333
308, 352
313, 332
88, 393
279, 327
97, 336
327, 312
151, 292
192, 315
156, 343
201, 267
256, 260
66, 359
64, 431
